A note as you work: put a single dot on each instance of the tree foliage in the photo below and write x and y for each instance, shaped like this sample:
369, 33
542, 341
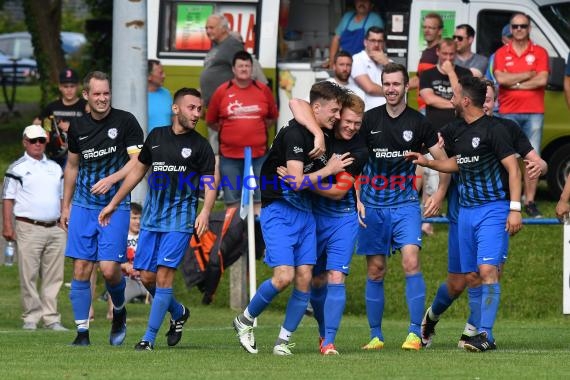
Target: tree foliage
43, 19
98, 31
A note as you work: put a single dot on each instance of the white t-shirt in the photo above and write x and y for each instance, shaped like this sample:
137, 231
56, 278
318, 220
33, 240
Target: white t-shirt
352, 86
362, 64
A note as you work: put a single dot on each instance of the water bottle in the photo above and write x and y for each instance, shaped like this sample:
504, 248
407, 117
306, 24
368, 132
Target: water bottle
9, 253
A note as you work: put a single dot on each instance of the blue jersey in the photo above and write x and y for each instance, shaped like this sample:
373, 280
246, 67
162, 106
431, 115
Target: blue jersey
357, 148
177, 163
479, 148
293, 142
392, 179
103, 147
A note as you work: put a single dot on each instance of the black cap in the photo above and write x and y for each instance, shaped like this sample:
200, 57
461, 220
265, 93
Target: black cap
68, 76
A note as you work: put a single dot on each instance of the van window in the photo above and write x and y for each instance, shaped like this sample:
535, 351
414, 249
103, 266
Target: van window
490, 24
558, 15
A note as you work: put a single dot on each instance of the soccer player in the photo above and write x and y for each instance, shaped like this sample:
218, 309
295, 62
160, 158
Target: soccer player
103, 147
389, 210
287, 222
179, 158
488, 177
334, 208
456, 281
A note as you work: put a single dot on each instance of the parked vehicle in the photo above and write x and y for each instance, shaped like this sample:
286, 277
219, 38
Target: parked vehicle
19, 44
21, 71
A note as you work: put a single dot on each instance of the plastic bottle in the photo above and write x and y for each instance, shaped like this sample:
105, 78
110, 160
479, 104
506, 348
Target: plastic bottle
9, 253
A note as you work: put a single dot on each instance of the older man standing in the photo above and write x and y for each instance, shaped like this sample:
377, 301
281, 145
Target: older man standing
521, 69
32, 192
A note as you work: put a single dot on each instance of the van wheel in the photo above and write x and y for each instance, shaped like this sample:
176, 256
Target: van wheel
558, 170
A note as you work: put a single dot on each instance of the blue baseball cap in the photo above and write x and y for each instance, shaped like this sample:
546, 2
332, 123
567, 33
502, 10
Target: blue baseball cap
506, 31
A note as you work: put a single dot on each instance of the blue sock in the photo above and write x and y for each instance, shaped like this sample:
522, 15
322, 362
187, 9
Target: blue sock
442, 300
263, 297
117, 293
374, 296
416, 298
318, 296
475, 295
295, 310
157, 312
491, 298
175, 308
334, 307
80, 297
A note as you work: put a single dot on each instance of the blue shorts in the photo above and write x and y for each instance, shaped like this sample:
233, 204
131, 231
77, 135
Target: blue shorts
231, 170
389, 229
166, 249
453, 257
289, 234
482, 236
336, 237
88, 240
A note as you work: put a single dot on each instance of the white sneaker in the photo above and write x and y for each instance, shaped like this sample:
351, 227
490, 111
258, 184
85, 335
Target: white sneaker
245, 336
283, 349
29, 326
57, 326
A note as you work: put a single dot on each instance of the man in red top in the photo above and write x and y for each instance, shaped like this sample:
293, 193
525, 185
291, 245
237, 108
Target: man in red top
521, 69
241, 109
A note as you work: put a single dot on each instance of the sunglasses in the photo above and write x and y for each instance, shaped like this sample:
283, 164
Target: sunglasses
458, 38
519, 26
41, 140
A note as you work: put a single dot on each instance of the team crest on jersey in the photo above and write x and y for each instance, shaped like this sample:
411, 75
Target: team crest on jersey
186, 152
475, 142
530, 59
408, 135
297, 149
112, 133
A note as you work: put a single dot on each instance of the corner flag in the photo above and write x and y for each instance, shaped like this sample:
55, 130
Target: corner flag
249, 183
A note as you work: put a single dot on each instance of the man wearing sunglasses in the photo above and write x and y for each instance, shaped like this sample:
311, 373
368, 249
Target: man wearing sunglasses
521, 69
464, 57
32, 193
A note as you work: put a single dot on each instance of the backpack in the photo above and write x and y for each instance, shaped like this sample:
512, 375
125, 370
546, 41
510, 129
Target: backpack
209, 255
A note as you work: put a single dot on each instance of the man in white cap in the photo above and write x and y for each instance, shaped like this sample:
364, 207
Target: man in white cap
32, 192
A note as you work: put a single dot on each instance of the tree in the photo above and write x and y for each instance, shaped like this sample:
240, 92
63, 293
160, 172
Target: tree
43, 19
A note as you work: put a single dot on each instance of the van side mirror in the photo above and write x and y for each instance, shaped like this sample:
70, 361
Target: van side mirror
556, 76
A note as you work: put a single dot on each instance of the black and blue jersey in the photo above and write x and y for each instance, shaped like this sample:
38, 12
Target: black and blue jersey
177, 163
391, 178
293, 142
479, 148
103, 147
358, 150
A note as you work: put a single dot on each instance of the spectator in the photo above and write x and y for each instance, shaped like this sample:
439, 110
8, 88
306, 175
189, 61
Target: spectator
432, 29
342, 67
257, 73
464, 37
158, 98
350, 31
521, 69
367, 67
32, 193
56, 116
134, 287
241, 107
218, 65
505, 39
437, 83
